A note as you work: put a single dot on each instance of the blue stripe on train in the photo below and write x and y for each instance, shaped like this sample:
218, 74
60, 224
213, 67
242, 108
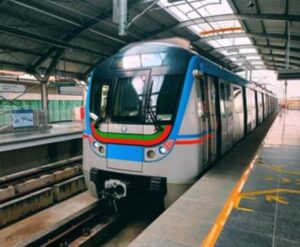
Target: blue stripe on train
125, 152
186, 91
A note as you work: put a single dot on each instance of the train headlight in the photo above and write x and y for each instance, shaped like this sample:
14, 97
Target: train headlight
96, 145
101, 149
150, 154
162, 150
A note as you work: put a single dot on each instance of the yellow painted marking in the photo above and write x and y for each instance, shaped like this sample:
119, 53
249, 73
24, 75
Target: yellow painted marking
276, 198
278, 168
237, 203
271, 195
285, 180
216, 229
269, 178
270, 191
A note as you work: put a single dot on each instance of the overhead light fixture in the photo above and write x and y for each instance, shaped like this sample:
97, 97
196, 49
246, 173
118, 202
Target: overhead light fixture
250, 4
233, 50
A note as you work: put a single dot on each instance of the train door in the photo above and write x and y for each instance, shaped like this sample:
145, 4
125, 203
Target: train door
238, 113
226, 115
229, 110
126, 118
202, 91
212, 117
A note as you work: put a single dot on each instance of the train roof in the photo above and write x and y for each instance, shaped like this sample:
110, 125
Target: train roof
209, 67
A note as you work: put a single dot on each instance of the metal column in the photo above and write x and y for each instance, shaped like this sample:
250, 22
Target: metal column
44, 94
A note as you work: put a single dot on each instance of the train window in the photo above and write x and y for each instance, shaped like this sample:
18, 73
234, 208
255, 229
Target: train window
127, 62
164, 94
153, 59
128, 98
259, 99
250, 99
228, 99
222, 98
238, 99
139, 61
99, 94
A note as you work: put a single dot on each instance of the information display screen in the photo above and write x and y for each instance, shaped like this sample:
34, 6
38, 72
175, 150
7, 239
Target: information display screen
22, 118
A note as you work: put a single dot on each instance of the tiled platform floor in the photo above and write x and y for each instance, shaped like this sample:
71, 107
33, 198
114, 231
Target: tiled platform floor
265, 212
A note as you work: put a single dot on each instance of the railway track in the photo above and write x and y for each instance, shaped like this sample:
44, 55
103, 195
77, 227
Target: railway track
89, 227
27, 192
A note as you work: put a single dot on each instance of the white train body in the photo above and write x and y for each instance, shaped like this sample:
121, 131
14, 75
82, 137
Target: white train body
158, 114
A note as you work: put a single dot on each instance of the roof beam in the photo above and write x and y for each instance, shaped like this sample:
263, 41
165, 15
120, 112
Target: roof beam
64, 19
78, 30
295, 58
217, 18
35, 53
294, 62
50, 41
273, 47
251, 35
21, 67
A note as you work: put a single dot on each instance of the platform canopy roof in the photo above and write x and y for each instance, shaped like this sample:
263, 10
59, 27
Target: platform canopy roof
69, 37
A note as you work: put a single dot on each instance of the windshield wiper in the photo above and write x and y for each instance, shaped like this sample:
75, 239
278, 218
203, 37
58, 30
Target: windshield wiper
100, 117
152, 115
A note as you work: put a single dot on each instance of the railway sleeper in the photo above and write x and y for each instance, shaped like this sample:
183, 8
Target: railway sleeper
32, 184
33, 202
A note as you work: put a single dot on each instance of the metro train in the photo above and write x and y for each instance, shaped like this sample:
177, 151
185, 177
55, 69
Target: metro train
158, 114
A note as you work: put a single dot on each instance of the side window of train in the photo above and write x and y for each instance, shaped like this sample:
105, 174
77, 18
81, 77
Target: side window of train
164, 95
250, 102
99, 99
199, 98
238, 99
222, 99
228, 103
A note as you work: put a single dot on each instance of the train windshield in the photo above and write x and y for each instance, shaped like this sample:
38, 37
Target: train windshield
136, 101
128, 98
164, 93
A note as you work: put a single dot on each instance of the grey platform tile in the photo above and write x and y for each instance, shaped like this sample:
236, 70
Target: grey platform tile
291, 210
288, 229
216, 183
255, 222
279, 242
180, 229
207, 195
258, 204
235, 238
195, 210
225, 171
261, 179
154, 241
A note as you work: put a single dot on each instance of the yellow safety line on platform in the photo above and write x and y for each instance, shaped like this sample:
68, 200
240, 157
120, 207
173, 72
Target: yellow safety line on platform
278, 168
217, 228
270, 191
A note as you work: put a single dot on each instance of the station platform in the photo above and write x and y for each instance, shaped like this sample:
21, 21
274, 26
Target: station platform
58, 132
249, 198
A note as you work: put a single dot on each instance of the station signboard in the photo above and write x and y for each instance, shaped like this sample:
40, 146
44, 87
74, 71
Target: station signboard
22, 118
12, 88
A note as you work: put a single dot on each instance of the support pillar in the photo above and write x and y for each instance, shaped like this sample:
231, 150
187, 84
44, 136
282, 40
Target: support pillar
44, 94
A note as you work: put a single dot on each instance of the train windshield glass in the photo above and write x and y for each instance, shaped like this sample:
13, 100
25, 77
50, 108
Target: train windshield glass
128, 98
136, 100
163, 97
99, 94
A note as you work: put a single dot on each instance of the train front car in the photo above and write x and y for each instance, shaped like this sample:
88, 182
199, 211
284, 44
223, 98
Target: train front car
135, 107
